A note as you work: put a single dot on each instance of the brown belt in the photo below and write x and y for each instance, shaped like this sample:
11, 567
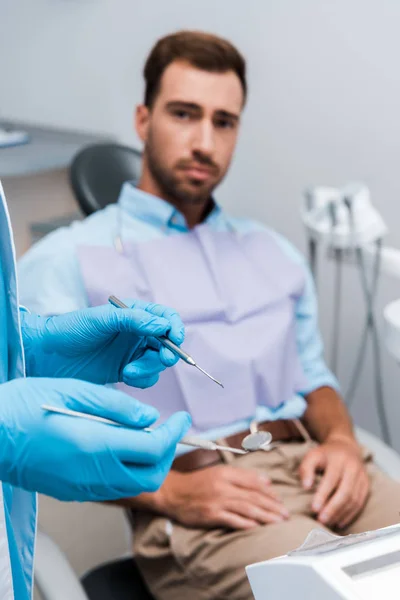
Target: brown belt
282, 430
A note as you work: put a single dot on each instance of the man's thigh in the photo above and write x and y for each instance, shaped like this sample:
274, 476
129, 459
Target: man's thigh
383, 506
180, 562
186, 563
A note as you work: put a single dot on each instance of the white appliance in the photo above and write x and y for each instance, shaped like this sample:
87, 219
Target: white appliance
328, 567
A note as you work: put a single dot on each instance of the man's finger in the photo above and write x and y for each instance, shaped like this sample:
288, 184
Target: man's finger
267, 503
250, 479
340, 498
352, 513
366, 487
312, 462
255, 491
351, 505
347, 518
253, 512
234, 521
327, 485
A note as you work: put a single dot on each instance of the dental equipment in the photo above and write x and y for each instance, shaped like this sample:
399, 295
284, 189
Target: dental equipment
187, 440
345, 220
257, 440
168, 344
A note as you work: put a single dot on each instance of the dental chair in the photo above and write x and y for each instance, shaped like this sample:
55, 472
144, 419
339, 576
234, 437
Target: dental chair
120, 579
98, 171
96, 175
56, 580
94, 541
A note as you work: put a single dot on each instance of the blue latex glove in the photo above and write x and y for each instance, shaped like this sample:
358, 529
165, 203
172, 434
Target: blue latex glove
103, 344
76, 459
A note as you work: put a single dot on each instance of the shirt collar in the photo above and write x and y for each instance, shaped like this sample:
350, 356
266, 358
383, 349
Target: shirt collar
156, 211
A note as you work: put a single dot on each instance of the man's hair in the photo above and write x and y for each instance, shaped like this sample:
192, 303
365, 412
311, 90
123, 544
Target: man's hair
201, 50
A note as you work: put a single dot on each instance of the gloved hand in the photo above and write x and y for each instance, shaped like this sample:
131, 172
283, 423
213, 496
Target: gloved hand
103, 344
72, 458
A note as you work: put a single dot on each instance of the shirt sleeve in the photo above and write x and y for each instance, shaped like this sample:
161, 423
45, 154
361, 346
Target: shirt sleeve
309, 341
49, 278
308, 337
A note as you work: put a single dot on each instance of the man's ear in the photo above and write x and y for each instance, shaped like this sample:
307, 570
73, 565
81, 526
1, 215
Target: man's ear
142, 119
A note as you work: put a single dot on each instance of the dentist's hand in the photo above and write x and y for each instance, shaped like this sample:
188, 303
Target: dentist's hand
103, 344
72, 458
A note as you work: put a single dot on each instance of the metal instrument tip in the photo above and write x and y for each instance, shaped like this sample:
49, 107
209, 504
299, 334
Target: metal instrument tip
208, 375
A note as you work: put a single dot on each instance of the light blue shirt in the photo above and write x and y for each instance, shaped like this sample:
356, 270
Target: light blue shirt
51, 283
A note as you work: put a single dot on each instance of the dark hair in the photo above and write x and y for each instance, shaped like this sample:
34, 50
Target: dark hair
202, 50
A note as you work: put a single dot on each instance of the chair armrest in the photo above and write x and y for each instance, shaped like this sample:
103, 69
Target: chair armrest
54, 577
387, 459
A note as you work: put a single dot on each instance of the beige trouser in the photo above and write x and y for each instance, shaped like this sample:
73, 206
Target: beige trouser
181, 563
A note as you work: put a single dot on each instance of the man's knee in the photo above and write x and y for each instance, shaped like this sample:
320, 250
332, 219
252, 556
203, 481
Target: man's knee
222, 563
211, 566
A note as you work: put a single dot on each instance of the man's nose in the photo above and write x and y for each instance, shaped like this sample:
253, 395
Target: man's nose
204, 141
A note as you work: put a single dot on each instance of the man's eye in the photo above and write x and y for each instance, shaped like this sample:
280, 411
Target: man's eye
224, 124
182, 114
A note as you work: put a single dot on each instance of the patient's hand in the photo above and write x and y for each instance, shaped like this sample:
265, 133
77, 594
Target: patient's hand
343, 490
221, 496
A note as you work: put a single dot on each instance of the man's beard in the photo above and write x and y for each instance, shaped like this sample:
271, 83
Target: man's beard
171, 187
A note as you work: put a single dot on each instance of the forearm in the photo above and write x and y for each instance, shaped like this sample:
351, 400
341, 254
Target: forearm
155, 502
327, 417
146, 502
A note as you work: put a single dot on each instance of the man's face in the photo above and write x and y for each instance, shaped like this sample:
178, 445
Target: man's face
190, 132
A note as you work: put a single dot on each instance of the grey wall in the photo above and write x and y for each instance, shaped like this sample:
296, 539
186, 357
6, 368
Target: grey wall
323, 107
